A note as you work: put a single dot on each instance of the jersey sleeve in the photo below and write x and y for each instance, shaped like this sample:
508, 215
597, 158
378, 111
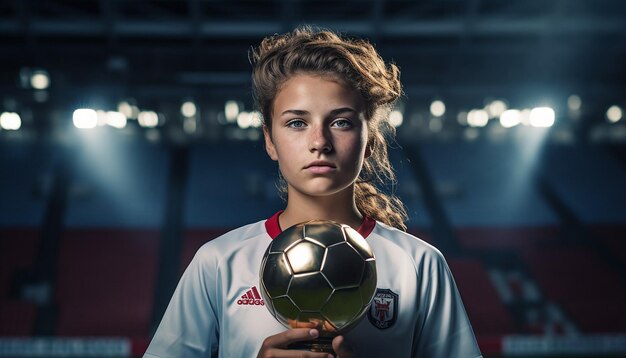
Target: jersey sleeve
443, 328
189, 327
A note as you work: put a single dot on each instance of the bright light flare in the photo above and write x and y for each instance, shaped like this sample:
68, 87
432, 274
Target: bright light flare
396, 118
249, 119
614, 114
496, 108
148, 119
125, 108
116, 119
103, 119
477, 118
542, 117
437, 108
256, 120
244, 120
10, 121
188, 109
85, 118
39, 80
510, 118
231, 111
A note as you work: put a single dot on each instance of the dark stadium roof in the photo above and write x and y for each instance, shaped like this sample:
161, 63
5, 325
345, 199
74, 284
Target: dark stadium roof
162, 51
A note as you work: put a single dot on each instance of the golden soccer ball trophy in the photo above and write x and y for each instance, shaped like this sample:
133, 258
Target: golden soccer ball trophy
319, 272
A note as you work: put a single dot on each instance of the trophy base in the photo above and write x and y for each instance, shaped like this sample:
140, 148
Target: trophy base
321, 344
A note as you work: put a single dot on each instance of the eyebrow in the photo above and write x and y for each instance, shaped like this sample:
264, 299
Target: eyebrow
334, 112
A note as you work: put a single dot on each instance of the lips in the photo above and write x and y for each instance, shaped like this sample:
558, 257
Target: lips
320, 167
320, 163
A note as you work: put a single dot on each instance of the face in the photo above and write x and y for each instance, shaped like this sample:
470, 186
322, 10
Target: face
318, 135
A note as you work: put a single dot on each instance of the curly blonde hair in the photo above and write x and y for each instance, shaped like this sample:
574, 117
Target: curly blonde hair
358, 64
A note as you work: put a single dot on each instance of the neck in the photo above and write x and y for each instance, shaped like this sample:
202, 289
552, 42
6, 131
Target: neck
339, 207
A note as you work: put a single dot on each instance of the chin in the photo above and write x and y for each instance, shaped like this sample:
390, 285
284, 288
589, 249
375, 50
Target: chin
325, 191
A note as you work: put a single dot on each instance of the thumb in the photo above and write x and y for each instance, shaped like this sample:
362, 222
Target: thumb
342, 347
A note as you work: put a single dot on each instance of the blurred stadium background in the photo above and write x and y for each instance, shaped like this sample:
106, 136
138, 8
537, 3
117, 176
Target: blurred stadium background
128, 139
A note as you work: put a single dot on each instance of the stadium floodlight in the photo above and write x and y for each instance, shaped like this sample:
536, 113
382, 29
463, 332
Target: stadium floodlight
496, 108
125, 108
244, 120
188, 109
103, 119
477, 118
148, 119
85, 118
39, 79
231, 111
396, 118
256, 119
437, 108
510, 118
116, 119
10, 121
614, 114
542, 117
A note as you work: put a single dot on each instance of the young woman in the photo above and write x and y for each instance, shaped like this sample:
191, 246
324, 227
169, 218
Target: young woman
325, 101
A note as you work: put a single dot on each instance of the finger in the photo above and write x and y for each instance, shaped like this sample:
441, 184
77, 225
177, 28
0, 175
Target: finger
298, 324
283, 339
342, 347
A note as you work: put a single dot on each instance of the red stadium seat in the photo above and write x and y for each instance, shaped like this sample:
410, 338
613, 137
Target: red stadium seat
106, 282
485, 309
17, 318
18, 251
589, 291
506, 238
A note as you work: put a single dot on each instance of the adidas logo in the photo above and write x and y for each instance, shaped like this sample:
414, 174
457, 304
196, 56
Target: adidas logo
251, 298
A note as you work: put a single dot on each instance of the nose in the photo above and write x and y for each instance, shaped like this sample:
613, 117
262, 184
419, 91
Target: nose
320, 140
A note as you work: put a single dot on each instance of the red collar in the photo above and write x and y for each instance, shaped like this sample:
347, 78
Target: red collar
273, 227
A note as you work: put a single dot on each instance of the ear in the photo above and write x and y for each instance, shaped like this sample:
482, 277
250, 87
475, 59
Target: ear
269, 145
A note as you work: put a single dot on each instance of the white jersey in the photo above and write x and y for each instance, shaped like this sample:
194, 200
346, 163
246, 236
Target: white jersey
216, 309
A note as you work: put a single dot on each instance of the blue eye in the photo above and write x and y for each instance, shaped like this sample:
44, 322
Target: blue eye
342, 123
296, 123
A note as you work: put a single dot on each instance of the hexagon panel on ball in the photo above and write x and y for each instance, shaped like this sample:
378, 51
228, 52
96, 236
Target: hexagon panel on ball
309, 292
305, 257
343, 307
358, 242
343, 266
286, 310
368, 284
276, 275
323, 232
288, 238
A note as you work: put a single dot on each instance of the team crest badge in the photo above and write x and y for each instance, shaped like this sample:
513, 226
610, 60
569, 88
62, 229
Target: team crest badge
383, 311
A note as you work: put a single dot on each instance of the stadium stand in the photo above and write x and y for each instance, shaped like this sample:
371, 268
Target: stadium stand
589, 291
18, 318
18, 250
106, 282
488, 314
